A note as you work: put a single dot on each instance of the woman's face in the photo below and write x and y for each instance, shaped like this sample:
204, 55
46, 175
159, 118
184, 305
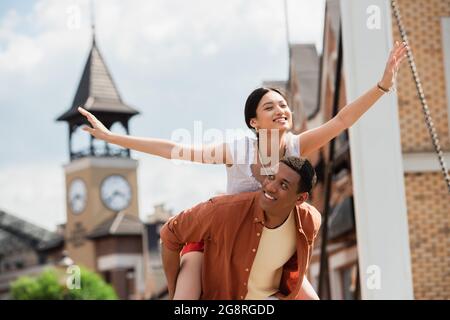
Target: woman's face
272, 113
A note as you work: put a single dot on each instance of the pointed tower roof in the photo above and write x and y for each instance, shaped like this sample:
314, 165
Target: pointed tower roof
96, 91
119, 225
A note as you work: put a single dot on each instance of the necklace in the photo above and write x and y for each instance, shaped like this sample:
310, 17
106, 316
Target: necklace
268, 171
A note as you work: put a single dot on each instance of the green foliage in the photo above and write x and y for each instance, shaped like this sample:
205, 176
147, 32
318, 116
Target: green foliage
43, 287
53, 284
92, 288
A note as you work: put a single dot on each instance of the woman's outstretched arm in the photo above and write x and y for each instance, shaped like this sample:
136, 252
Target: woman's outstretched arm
212, 154
314, 139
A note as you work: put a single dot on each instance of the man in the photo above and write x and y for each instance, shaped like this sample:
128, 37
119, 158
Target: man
257, 244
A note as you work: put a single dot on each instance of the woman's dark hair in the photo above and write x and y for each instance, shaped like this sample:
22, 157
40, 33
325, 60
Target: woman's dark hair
305, 170
253, 100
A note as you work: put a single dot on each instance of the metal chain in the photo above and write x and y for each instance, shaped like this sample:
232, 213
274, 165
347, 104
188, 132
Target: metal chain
425, 109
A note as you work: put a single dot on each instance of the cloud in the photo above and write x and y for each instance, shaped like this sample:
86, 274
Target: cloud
196, 61
306, 20
36, 191
176, 61
179, 186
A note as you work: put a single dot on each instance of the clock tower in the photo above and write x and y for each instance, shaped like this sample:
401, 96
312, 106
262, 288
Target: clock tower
101, 179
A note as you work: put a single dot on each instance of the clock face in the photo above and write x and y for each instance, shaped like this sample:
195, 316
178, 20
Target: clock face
77, 196
115, 192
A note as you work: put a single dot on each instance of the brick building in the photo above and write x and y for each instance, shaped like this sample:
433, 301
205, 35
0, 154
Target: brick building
103, 231
418, 252
427, 198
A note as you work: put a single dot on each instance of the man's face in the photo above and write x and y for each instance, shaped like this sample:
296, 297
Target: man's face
280, 191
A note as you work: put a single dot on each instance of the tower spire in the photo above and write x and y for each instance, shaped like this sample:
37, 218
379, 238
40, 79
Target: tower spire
286, 21
92, 20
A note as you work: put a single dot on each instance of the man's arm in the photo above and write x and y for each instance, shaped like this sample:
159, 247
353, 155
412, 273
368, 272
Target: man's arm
312, 224
171, 263
191, 225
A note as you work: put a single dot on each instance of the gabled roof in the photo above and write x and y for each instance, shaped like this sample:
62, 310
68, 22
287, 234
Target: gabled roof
97, 90
275, 84
119, 225
16, 232
307, 63
160, 215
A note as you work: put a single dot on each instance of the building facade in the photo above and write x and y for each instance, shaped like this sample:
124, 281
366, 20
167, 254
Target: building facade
103, 231
426, 197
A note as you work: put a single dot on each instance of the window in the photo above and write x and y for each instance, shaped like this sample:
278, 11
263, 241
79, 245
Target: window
349, 282
344, 280
107, 276
19, 265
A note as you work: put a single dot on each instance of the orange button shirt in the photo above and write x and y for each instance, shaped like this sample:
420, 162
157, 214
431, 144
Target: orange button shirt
231, 227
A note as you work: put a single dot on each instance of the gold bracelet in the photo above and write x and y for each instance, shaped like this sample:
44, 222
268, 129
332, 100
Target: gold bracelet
382, 89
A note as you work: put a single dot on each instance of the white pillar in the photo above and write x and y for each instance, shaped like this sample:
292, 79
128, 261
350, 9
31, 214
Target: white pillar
376, 155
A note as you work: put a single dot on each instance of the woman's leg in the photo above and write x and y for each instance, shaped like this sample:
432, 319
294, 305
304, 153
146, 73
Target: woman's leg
189, 281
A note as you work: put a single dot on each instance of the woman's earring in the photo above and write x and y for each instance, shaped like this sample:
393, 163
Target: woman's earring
256, 129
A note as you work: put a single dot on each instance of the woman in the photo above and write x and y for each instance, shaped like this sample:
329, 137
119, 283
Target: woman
247, 164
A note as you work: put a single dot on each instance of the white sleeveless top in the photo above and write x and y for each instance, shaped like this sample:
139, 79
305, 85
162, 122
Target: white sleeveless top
239, 175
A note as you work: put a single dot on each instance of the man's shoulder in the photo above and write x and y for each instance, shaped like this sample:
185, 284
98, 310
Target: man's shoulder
309, 209
310, 218
222, 206
218, 204
239, 199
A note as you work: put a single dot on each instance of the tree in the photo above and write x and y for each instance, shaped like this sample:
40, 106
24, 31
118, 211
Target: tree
93, 287
51, 285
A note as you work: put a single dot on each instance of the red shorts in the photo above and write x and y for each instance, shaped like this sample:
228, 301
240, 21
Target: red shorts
192, 246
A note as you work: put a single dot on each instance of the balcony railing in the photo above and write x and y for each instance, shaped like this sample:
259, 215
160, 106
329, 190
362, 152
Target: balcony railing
113, 153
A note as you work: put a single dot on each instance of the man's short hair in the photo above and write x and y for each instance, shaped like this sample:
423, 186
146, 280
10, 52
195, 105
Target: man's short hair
304, 169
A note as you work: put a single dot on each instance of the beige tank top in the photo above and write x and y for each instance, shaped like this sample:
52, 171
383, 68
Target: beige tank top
275, 248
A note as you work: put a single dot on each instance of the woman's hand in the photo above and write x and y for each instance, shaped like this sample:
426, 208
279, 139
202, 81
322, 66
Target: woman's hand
398, 53
98, 130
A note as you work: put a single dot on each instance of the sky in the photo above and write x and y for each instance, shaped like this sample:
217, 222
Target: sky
176, 61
